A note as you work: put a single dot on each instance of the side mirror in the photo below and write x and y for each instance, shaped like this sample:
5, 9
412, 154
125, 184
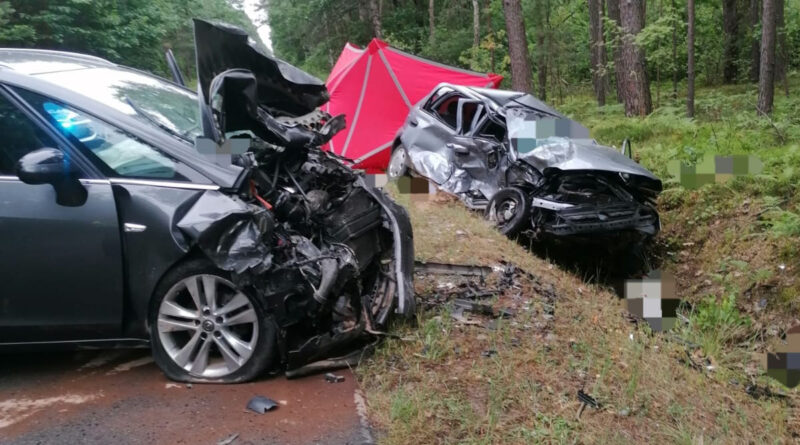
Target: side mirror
49, 166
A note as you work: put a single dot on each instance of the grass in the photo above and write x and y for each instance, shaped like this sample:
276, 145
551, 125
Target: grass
730, 246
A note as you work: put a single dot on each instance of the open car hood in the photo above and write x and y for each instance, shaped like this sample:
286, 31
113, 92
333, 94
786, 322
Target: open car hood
581, 155
281, 86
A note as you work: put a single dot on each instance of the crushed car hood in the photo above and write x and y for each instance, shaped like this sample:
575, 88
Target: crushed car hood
581, 154
281, 86
330, 257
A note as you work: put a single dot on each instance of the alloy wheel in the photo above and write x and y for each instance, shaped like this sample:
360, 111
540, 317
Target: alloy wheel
397, 164
207, 327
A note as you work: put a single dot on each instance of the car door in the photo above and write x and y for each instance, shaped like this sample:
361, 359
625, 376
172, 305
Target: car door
433, 127
61, 275
150, 189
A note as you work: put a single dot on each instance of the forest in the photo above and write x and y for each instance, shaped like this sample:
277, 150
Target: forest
552, 47
684, 81
132, 32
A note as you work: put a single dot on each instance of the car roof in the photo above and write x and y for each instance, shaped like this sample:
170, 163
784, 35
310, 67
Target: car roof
28, 68
41, 61
503, 98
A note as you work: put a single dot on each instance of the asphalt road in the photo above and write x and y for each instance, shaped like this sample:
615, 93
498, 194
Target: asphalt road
121, 397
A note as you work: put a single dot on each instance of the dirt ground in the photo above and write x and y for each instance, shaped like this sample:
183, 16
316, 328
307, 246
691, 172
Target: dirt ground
121, 397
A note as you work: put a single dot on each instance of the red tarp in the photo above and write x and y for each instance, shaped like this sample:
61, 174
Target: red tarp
375, 88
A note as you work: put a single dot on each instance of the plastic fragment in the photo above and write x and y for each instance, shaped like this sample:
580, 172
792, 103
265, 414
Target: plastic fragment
261, 404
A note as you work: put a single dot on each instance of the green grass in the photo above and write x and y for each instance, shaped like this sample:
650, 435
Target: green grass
730, 245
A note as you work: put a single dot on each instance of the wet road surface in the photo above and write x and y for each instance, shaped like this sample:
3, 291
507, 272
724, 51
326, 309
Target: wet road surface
121, 397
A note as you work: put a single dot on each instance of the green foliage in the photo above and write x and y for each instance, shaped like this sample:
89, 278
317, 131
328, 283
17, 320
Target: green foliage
130, 32
717, 324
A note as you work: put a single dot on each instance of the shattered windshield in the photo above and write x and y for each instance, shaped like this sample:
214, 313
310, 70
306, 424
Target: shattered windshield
157, 102
532, 134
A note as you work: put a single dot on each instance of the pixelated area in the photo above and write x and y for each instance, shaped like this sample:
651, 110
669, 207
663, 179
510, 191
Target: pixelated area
221, 154
717, 169
653, 299
528, 131
784, 365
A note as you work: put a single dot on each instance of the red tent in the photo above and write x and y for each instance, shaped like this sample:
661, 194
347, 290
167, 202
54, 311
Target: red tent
375, 88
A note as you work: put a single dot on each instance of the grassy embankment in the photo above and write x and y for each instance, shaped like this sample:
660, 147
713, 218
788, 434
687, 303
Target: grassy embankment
734, 250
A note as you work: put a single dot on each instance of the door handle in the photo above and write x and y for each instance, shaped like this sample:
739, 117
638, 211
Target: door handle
413, 122
458, 149
134, 228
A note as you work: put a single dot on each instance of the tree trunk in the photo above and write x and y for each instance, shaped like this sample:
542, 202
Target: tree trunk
476, 24
690, 61
730, 51
490, 30
636, 91
674, 53
755, 45
766, 77
619, 79
781, 51
431, 23
597, 50
541, 63
375, 18
517, 46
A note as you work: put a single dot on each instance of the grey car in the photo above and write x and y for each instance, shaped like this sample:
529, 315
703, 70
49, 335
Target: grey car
115, 230
530, 168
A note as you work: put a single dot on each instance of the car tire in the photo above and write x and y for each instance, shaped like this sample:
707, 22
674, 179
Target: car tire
398, 163
510, 210
231, 330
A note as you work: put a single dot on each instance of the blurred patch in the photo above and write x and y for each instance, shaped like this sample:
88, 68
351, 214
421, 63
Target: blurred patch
526, 131
377, 181
221, 154
653, 299
717, 169
784, 365
420, 189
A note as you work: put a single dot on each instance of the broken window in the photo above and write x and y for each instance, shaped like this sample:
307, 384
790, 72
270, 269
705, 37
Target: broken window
447, 110
492, 130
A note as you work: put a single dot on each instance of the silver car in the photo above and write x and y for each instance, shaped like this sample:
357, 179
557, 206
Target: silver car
530, 168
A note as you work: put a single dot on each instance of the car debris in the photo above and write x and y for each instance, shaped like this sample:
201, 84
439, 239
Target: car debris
228, 440
527, 166
333, 378
585, 400
452, 269
488, 353
261, 404
329, 257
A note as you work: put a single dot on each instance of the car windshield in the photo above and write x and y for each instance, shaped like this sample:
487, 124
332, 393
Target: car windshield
529, 129
154, 100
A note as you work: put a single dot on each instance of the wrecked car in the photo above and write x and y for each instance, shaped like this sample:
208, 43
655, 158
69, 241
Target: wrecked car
528, 167
207, 225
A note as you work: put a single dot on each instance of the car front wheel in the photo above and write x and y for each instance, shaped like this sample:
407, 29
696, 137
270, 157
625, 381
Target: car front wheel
203, 329
510, 210
398, 164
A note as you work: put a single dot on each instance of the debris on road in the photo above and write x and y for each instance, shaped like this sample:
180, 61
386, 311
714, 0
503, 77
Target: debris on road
261, 404
229, 440
333, 378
